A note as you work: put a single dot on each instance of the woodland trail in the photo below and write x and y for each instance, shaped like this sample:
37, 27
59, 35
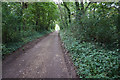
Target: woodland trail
44, 60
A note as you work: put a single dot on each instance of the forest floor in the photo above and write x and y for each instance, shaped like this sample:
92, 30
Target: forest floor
45, 59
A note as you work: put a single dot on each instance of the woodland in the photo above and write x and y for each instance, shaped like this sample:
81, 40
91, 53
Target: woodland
90, 32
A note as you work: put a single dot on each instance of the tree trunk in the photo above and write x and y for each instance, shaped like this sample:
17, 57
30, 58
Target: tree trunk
118, 26
24, 5
77, 10
68, 10
61, 14
65, 18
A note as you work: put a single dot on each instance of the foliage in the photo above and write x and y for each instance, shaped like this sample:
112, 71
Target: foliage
97, 22
12, 46
25, 21
93, 38
90, 31
91, 59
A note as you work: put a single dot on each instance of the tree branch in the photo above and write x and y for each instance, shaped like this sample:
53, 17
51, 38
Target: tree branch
68, 10
87, 6
82, 5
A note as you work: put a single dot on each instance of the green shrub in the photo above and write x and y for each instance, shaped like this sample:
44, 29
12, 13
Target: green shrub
92, 60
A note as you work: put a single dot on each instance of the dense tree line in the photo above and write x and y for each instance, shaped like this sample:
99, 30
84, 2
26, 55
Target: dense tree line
26, 19
91, 33
93, 21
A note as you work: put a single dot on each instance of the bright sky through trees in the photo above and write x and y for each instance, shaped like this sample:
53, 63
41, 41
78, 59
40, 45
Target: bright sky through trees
57, 1
57, 28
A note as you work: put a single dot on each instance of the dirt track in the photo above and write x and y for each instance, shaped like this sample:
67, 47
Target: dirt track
44, 60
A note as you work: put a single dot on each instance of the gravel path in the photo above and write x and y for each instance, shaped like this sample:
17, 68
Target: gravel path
44, 60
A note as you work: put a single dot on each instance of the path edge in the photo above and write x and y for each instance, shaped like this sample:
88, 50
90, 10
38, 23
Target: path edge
69, 62
23, 49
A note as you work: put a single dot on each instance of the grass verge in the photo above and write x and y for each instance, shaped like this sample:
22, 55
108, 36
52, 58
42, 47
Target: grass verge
8, 48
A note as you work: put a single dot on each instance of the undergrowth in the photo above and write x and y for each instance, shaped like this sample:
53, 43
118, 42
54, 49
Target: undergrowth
26, 37
91, 59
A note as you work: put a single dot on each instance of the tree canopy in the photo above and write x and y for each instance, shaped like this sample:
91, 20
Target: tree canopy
90, 31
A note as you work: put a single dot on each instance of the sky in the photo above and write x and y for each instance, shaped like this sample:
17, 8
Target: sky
57, 1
